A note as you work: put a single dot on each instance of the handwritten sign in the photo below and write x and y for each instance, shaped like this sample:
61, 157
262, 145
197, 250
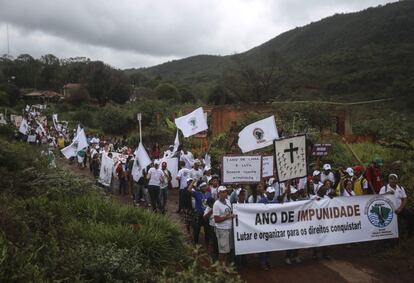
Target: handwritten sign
267, 166
241, 169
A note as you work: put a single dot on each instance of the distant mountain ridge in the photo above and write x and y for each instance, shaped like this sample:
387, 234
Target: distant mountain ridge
345, 53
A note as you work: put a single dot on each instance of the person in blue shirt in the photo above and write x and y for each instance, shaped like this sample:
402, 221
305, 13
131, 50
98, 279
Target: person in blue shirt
269, 196
200, 195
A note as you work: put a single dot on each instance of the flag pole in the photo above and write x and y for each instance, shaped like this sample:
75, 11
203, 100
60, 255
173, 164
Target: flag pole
139, 118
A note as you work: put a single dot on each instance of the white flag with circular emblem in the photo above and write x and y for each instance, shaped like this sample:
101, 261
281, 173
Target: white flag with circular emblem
258, 134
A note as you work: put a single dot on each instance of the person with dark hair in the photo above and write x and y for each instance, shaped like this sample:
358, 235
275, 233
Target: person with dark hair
154, 178
257, 194
200, 195
223, 216
399, 198
166, 182
211, 226
182, 176
121, 174
155, 151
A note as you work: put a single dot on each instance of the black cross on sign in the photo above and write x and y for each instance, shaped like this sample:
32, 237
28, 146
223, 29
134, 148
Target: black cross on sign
291, 149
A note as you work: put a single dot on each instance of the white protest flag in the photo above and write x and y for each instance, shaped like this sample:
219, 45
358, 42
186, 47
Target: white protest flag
79, 142
40, 129
55, 122
258, 134
142, 160
192, 123
176, 143
105, 174
78, 130
24, 127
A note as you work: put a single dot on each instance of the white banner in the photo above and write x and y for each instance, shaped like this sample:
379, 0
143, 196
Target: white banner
258, 134
31, 138
313, 223
290, 156
105, 174
241, 169
267, 166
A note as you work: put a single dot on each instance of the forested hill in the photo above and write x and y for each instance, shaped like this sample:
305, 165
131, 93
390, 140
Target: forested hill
368, 53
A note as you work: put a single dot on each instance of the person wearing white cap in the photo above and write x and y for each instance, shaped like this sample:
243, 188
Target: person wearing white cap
348, 174
327, 173
316, 178
399, 198
289, 192
278, 188
269, 196
155, 177
207, 174
200, 196
223, 215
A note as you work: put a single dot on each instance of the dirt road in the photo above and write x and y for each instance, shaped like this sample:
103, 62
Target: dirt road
359, 263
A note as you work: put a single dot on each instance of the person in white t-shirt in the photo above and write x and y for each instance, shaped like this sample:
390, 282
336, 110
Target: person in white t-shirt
182, 176
155, 177
214, 184
327, 173
346, 187
196, 173
316, 177
223, 215
258, 192
399, 198
188, 158
207, 174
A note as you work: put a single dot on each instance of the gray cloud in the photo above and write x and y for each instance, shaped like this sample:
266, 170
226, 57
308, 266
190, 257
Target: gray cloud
128, 33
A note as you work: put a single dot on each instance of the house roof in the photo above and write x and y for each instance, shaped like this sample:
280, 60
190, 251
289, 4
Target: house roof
72, 85
45, 93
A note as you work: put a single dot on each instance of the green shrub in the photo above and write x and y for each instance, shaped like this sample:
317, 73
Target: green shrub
113, 120
57, 227
84, 117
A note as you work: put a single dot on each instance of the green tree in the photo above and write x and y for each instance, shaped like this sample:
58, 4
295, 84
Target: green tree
113, 120
167, 91
219, 96
78, 96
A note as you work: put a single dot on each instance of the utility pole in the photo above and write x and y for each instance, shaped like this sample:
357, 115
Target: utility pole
139, 118
8, 41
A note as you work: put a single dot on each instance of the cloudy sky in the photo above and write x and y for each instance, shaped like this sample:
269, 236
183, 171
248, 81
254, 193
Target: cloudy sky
140, 33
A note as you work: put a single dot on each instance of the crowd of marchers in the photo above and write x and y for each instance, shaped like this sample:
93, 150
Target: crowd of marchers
204, 204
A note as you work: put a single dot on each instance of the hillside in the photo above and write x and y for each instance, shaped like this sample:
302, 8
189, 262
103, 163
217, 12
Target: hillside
368, 53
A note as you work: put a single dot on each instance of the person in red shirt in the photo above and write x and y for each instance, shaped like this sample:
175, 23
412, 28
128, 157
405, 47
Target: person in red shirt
156, 151
374, 175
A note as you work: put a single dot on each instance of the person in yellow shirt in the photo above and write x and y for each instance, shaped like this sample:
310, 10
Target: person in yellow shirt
60, 142
361, 186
